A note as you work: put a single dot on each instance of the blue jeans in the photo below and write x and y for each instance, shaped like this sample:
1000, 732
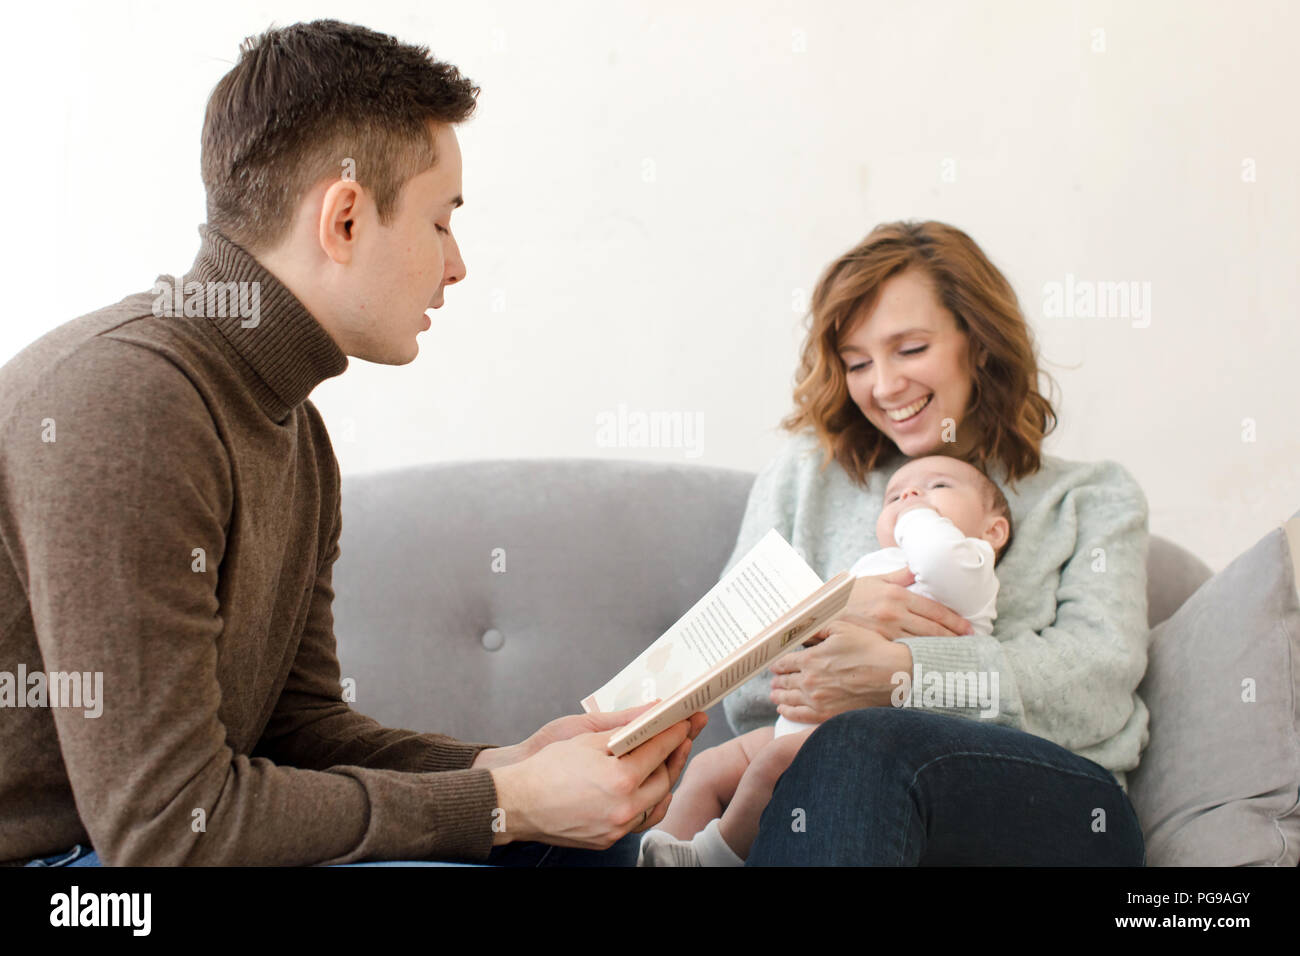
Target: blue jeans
622, 853
890, 786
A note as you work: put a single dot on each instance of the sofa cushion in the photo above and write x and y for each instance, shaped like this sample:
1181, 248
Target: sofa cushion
1219, 782
482, 599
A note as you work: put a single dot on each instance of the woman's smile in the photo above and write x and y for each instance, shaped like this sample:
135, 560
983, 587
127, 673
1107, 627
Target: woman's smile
916, 410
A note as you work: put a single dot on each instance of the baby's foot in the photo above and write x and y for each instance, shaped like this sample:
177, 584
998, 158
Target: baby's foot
706, 848
660, 848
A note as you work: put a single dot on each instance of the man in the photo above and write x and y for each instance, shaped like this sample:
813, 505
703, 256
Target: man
169, 510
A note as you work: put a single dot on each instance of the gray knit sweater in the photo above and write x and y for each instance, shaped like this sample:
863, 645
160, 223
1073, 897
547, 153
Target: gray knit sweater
1070, 641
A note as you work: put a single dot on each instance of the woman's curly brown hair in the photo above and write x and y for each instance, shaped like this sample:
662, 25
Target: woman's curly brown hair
1006, 408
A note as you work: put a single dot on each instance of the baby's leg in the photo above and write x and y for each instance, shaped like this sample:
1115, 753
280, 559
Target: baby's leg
710, 782
739, 823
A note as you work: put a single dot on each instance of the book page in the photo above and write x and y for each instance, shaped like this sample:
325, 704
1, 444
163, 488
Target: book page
782, 635
763, 585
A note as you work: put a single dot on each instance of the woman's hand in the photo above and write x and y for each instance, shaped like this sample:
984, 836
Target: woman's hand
883, 603
852, 668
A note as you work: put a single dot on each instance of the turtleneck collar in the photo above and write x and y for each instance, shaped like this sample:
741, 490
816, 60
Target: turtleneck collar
286, 351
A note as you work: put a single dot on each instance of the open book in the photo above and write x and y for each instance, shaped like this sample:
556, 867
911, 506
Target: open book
769, 603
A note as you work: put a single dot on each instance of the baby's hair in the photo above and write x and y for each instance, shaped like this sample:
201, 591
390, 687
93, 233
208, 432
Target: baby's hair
996, 502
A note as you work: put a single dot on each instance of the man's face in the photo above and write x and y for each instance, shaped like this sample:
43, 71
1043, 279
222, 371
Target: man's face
947, 485
402, 268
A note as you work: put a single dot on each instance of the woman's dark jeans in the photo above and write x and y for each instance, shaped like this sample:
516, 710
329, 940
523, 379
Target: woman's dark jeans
890, 786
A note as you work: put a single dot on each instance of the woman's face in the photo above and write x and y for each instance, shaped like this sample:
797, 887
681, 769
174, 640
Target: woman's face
907, 349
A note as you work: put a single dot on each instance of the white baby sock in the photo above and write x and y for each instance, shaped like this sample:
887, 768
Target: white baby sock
712, 849
706, 848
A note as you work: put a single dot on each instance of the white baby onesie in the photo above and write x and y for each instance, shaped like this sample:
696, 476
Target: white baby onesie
949, 567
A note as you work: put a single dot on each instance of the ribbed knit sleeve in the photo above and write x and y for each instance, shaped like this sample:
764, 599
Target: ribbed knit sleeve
312, 727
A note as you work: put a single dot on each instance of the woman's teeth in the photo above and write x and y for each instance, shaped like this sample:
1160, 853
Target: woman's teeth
904, 413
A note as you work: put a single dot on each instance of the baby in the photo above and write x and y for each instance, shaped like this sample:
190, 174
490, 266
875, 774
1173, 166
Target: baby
947, 522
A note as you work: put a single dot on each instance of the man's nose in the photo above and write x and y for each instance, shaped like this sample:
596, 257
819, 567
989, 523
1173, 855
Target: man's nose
455, 266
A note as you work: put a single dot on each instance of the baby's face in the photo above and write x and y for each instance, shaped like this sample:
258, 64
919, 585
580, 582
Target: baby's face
950, 487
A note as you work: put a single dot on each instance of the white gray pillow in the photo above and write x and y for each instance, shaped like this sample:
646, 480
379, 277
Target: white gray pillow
1219, 782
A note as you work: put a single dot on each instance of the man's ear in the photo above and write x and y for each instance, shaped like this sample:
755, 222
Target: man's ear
339, 206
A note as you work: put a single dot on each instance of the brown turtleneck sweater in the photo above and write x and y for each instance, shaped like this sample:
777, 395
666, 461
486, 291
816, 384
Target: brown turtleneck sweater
129, 441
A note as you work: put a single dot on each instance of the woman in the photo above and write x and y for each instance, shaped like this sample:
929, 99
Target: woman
1014, 747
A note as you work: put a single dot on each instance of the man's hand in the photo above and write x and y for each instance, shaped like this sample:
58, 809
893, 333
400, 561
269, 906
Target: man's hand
574, 792
564, 728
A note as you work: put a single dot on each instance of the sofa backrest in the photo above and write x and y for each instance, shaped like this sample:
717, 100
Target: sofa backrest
482, 599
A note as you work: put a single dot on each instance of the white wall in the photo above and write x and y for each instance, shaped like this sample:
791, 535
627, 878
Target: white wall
651, 188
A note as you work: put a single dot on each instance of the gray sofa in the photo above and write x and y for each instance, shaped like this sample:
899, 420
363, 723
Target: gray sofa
482, 599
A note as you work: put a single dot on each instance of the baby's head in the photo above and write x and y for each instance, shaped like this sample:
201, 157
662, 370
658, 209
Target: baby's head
956, 490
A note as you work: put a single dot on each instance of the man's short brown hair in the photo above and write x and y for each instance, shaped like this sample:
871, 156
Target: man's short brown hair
312, 101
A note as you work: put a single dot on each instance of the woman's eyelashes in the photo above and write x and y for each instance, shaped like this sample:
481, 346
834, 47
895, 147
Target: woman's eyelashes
916, 351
